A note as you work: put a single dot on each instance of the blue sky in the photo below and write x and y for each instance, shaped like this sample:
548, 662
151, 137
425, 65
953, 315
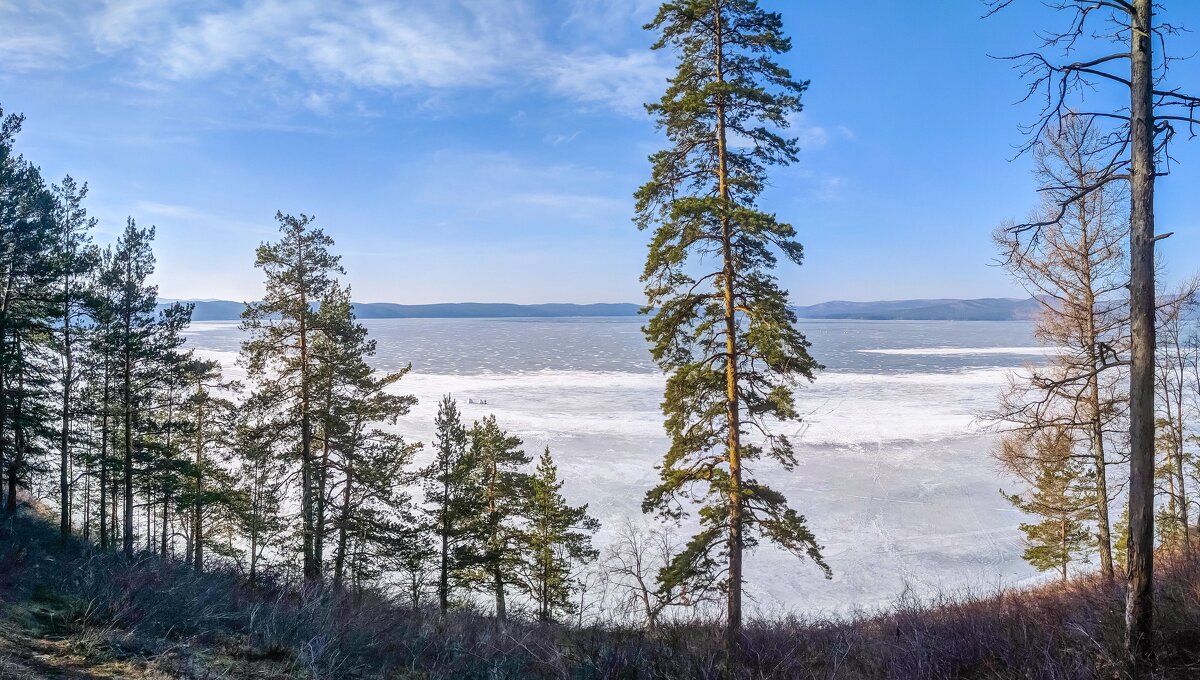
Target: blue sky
486, 150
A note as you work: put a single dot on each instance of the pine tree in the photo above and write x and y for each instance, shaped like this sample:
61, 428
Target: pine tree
372, 462
1060, 492
299, 272
454, 499
102, 362
261, 480
76, 258
556, 539
722, 328
499, 460
208, 420
134, 303
27, 276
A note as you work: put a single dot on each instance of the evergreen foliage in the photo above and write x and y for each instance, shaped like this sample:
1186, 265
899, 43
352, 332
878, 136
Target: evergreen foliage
721, 326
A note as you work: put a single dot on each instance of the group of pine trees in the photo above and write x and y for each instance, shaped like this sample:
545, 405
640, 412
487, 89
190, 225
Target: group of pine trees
294, 473
297, 468
304, 473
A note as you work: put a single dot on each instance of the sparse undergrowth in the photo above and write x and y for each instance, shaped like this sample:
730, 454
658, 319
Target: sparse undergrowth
80, 613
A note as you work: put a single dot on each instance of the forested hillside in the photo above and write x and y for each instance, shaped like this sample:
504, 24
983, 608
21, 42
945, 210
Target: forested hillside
164, 516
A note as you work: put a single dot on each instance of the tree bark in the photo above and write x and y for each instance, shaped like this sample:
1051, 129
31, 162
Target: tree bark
312, 570
127, 402
733, 624
64, 484
444, 571
1139, 603
339, 562
198, 501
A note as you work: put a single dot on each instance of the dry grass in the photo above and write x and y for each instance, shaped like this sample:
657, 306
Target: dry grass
161, 617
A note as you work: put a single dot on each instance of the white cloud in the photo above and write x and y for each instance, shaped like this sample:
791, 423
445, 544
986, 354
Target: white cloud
26, 45
166, 210
620, 82
121, 23
324, 48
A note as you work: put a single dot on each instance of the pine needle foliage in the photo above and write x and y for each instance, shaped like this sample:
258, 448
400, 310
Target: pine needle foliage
721, 327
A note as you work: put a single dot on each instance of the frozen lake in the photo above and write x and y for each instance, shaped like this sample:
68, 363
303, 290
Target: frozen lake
895, 475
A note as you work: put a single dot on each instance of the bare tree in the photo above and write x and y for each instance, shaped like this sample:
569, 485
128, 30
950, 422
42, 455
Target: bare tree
1075, 266
1174, 360
632, 564
1137, 139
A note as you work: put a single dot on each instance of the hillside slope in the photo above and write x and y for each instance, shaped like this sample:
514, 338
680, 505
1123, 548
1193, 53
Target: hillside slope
79, 613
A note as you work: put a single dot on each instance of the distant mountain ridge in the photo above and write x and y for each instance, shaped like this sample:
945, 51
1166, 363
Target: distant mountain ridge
942, 309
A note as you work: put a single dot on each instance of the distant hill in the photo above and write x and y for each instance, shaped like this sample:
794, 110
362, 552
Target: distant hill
471, 310
983, 309
225, 310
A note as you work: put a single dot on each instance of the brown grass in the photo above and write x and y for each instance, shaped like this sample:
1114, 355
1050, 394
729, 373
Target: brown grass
162, 616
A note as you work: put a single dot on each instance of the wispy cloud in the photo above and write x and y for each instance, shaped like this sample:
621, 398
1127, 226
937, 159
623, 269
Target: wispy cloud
332, 46
26, 45
623, 83
155, 209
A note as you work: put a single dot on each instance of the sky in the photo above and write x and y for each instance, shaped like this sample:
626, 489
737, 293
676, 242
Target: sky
487, 150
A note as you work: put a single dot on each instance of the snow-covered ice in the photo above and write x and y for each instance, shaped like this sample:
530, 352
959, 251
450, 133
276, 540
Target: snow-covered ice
894, 475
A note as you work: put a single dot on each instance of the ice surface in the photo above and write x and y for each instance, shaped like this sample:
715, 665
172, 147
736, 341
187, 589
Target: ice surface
894, 475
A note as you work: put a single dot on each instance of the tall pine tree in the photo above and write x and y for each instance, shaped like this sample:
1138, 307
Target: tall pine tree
134, 302
721, 327
76, 258
299, 271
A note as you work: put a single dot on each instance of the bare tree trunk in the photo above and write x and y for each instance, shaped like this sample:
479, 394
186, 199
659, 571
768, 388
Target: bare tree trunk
1139, 603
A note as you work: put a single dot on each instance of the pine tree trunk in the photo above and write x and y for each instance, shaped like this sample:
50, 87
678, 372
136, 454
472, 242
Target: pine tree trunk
198, 491
322, 480
4, 378
104, 441
498, 584
1103, 523
444, 570
312, 570
127, 403
18, 457
166, 520
1066, 548
64, 484
1139, 603
733, 624
339, 561
86, 524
